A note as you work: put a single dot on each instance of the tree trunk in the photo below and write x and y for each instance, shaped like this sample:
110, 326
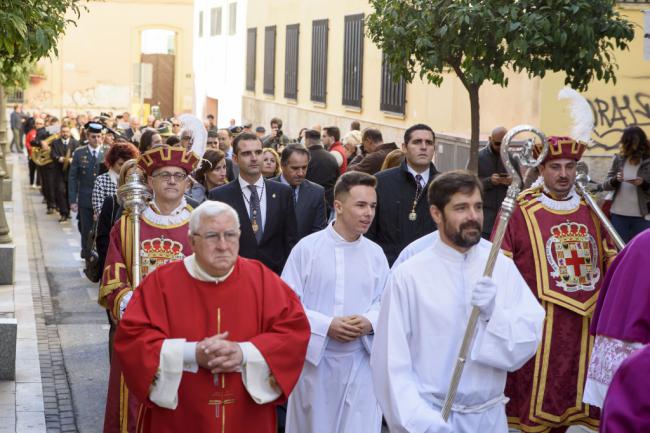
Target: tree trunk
5, 238
476, 127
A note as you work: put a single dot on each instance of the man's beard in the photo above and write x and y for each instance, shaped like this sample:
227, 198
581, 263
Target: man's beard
459, 238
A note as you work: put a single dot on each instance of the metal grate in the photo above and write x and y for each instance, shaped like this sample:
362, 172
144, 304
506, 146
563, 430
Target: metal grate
393, 92
251, 46
353, 60
232, 29
215, 21
291, 62
269, 60
319, 34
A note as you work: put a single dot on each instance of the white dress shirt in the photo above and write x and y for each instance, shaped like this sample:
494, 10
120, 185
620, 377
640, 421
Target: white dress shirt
261, 192
424, 174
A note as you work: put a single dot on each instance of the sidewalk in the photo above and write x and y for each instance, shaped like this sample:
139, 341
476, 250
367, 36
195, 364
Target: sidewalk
21, 401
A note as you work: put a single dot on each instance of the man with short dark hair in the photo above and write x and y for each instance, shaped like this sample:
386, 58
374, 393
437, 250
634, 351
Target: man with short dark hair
326, 270
16, 119
276, 139
323, 168
210, 123
375, 152
402, 208
62, 150
309, 197
495, 178
355, 125
331, 139
425, 306
265, 207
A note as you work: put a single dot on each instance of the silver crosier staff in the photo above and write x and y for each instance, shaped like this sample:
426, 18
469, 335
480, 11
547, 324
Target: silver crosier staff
524, 155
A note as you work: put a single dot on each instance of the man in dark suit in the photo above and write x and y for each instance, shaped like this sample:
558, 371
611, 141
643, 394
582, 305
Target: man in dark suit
266, 212
86, 165
62, 150
402, 213
323, 168
309, 197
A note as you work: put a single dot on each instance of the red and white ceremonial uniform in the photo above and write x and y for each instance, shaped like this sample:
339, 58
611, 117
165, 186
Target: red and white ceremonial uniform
562, 251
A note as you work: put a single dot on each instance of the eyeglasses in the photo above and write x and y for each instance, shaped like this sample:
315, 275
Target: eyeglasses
178, 177
229, 236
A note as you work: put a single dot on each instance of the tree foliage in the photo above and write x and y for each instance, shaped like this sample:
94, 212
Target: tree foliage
30, 31
480, 40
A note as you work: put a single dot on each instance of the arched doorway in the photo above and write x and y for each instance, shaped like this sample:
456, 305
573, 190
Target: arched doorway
158, 48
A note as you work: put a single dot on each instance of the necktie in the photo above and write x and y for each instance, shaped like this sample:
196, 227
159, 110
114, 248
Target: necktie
294, 190
418, 180
256, 213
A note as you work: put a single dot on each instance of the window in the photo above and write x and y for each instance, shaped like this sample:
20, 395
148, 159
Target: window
215, 21
200, 24
269, 60
251, 41
353, 60
291, 62
232, 29
319, 32
393, 92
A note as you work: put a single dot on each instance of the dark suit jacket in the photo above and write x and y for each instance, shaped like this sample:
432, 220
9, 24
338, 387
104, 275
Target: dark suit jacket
279, 225
371, 163
59, 149
310, 208
391, 228
323, 170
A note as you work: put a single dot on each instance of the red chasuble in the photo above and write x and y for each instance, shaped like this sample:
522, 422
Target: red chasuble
563, 256
252, 304
159, 244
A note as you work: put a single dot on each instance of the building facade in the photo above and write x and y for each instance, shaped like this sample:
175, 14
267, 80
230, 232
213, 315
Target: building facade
121, 56
219, 53
311, 62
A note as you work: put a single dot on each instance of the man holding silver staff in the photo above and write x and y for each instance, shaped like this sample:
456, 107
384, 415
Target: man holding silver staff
562, 250
425, 306
163, 226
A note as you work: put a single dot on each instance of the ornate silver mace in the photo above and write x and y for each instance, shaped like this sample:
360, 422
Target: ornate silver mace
134, 195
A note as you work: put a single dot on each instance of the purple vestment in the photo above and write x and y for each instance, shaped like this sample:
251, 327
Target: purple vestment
623, 309
627, 406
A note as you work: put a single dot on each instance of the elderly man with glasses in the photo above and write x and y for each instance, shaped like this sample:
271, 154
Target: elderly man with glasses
163, 239
213, 342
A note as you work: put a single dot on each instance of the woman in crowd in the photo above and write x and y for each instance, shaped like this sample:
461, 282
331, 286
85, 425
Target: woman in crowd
270, 163
351, 142
150, 138
106, 184
211, 174
629, 178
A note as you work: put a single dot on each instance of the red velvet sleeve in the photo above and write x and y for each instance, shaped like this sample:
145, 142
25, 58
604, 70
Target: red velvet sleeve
283, 341
116, 277
140, 336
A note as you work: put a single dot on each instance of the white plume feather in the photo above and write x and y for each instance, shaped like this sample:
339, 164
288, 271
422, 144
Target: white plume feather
199, 134
581, 114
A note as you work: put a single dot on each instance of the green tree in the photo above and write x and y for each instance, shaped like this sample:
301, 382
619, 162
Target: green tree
479, 40
29, 31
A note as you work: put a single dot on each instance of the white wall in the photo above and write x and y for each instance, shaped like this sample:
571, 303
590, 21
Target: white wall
219, 61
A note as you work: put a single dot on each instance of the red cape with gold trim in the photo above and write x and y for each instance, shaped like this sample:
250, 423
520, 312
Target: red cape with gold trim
563, 256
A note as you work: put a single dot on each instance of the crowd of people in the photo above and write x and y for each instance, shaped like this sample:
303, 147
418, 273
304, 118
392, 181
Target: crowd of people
323, 283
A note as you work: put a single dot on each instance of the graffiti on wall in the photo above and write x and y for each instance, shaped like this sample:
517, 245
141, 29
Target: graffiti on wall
612, 115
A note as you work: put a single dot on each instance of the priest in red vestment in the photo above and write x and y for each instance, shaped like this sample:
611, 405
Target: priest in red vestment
214, 342
163, 239
562, 251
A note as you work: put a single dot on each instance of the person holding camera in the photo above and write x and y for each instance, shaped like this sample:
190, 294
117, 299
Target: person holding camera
629, 178
494, 177
276, 139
